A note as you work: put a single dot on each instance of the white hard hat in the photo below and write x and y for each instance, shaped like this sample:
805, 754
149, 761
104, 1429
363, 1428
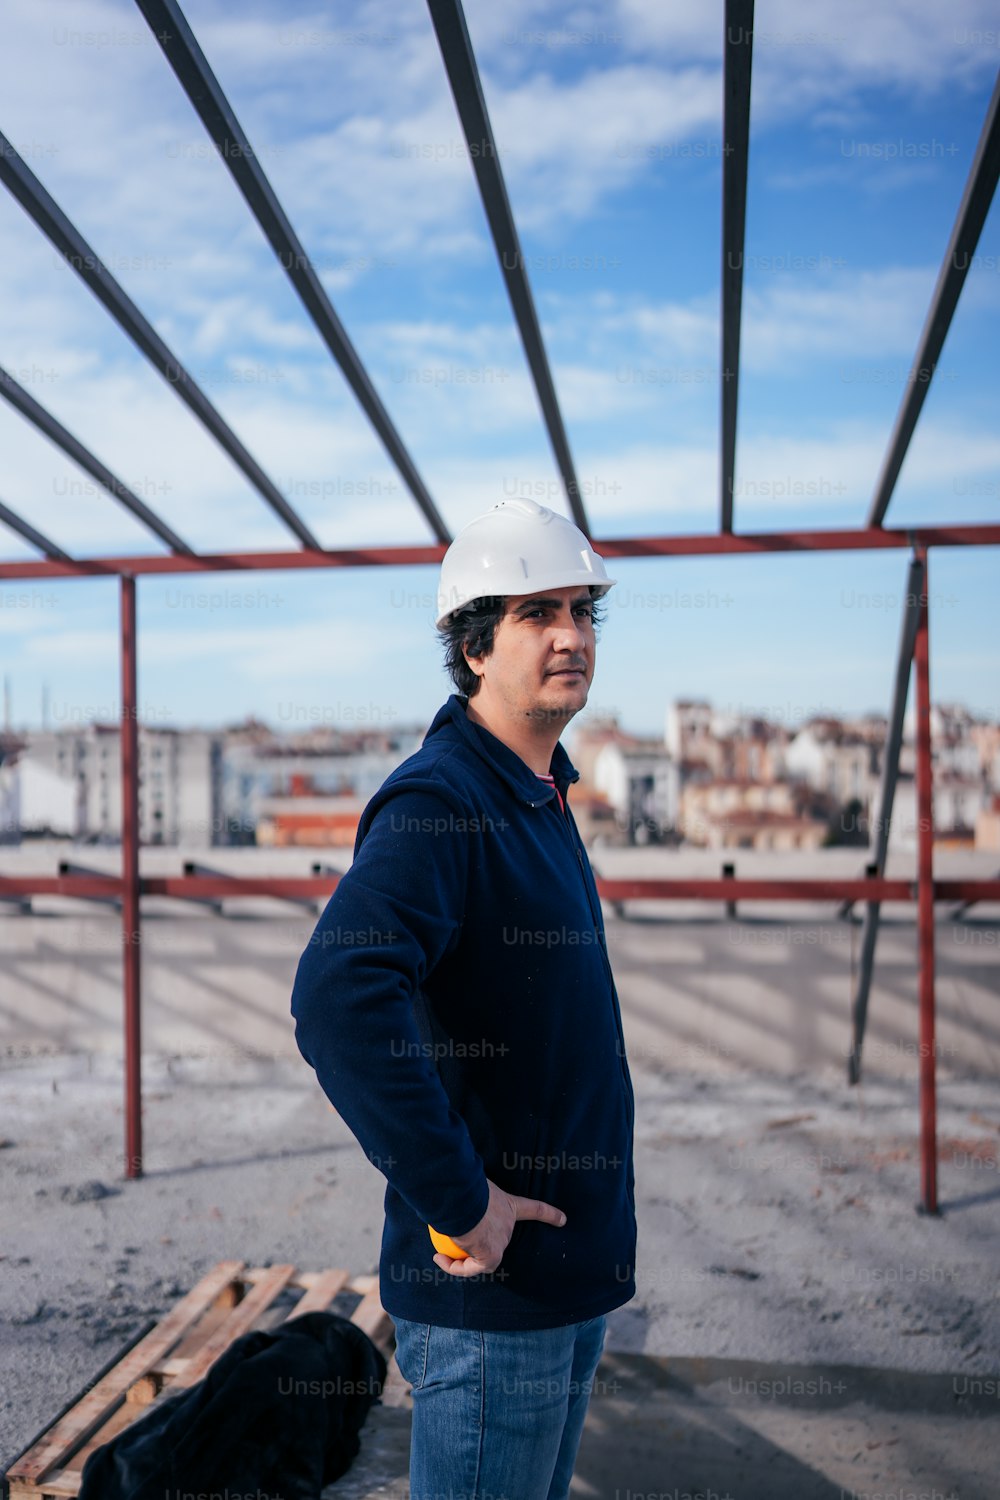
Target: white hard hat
515, 548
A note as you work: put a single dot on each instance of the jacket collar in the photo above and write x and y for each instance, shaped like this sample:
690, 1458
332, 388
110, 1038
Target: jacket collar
519, 777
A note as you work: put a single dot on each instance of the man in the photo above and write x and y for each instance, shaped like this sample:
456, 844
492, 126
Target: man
457, 1004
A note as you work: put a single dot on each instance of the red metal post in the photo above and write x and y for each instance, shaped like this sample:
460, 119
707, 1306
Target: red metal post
925, 910
131, 956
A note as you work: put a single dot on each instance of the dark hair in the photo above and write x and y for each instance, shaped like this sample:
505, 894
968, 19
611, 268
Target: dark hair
473, 627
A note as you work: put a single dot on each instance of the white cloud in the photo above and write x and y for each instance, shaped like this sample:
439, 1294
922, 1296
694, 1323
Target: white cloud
791, 317
566, 146
80, 646
804, 56
316, 449
238, 318
778, 473
376, 166
273, 651
29, 610
878, 312
361, 138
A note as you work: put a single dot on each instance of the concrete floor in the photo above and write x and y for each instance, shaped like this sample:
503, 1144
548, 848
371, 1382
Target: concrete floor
799, 1330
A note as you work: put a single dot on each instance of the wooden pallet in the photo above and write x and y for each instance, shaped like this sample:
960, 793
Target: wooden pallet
179, 1350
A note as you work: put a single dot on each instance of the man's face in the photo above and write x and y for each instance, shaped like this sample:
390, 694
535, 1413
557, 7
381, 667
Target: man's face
542, 661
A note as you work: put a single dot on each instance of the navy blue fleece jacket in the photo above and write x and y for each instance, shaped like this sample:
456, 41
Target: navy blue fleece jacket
457, 1004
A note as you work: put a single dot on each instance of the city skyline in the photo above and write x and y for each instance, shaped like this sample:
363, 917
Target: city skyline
711, 778
362, 718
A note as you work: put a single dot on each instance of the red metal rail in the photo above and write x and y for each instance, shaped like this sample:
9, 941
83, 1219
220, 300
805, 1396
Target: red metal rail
871, 538
693, 888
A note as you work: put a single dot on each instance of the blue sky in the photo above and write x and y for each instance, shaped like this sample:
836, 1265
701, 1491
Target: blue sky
608, 123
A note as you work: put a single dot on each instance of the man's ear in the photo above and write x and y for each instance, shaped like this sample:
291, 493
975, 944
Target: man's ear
473, 659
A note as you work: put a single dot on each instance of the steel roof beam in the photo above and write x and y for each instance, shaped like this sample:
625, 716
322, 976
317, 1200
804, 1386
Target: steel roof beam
738, 60
463, 76
712, 544
180, 47
24, 528
972, 211
25, 187
47, 424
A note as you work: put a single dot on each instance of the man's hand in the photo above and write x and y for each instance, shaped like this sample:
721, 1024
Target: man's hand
488, 1240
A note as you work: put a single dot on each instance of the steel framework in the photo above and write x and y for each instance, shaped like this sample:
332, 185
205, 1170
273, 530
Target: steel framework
184, 55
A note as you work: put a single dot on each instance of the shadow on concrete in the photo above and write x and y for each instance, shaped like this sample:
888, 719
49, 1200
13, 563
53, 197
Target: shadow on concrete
971, 1200
690, 1429
759, 991
222, 1163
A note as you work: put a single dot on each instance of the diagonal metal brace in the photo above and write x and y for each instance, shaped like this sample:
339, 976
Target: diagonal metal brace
40, 206
22, 401
915, 584
180, 47
459, 59
969, 221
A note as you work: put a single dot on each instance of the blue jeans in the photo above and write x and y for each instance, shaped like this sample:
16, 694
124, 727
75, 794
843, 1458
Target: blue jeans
497, 1415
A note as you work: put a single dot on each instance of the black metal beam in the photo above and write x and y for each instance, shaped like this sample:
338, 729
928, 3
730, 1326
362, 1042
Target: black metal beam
25, 187
46, 423
466, 87
915, 586
737, 66
180, 47
972, 211
24, 528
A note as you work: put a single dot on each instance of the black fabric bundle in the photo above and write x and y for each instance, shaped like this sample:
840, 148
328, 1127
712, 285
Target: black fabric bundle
277, 1417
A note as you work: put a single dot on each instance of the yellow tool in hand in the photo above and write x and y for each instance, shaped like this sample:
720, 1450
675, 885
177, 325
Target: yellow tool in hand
447, 1246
